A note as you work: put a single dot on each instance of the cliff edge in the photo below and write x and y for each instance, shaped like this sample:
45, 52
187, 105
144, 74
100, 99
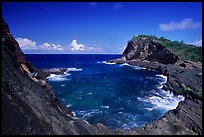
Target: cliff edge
29, 104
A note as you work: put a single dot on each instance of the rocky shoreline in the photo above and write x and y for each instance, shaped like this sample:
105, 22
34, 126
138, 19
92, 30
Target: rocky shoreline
30, 107
29, 104
187, 117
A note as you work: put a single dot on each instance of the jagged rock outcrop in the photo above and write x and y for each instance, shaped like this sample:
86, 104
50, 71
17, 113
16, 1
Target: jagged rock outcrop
29, 104
148, 49
56, 71
24, 98
182, 79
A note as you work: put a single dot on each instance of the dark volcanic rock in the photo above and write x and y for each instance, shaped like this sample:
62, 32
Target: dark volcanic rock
57, 71
148, 49
29, 104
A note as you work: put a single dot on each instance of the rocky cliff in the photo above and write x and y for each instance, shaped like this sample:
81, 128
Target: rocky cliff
29, 104
183, 77
148, 49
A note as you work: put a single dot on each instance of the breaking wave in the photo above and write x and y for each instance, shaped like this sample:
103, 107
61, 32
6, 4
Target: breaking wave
54, 77
74, 69
162, 99
134, 67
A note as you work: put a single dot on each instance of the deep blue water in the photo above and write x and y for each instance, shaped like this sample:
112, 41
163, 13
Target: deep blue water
119, 96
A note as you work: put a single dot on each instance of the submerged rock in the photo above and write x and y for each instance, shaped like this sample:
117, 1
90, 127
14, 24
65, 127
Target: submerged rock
57, 71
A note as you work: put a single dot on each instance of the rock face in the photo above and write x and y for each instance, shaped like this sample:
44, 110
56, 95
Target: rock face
183, 80
148, 49
29, 104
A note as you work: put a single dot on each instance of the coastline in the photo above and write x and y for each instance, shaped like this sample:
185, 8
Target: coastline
185, 119
31, 107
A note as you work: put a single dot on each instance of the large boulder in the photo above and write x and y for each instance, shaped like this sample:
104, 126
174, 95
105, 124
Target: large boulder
149, 49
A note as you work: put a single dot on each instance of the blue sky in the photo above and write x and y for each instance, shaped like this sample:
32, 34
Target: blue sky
99, 27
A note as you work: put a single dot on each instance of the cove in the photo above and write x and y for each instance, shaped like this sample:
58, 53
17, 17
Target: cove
119, 96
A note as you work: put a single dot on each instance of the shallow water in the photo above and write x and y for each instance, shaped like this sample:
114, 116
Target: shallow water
119, 96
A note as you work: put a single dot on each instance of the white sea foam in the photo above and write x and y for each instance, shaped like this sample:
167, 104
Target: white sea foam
162, 99
105, 107
100, 62
63, 85
74, 69
150, 109
54, 77
132, 66
138, 67
164, 77
109, 63
69, 105
124, 64
166, 101
105, 62
131, 120
88, 113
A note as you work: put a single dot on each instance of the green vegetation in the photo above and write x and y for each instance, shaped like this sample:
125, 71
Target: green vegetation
179, 92
184, 51
199, 93
187, 89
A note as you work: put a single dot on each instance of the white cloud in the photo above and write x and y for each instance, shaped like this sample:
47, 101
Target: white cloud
29, 45
80, 47
117, 6
93, 49
25, 43
76, 46
184, 24
47, 46
197, 43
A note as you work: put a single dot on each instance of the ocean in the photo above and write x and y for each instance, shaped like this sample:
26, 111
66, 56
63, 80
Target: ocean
117, 95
